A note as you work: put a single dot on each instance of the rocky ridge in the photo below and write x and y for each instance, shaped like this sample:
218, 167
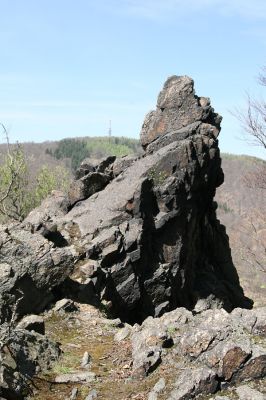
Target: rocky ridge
146, 235
140, 237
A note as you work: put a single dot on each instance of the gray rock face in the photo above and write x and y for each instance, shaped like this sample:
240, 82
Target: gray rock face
192, 382
87, 186
178, 107
209, 350
54, 206
90, 178
31, 266
121, 164
246, 393
152, 235
22, 355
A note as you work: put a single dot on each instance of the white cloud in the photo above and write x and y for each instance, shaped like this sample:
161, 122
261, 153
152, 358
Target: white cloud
158, 9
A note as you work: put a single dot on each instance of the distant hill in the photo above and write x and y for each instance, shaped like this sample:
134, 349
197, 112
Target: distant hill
243, 211
71, 151
95, 147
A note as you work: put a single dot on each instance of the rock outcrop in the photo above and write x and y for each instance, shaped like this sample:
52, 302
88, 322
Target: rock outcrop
144, 230
152, 235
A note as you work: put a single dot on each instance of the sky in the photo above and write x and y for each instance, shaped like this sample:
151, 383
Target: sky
68, 67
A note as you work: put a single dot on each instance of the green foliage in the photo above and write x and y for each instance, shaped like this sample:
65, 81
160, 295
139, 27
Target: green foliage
15, 199
74, 149
101, 147
157, 176
48, 180
95, 147
171, 330
225, 207
18, 196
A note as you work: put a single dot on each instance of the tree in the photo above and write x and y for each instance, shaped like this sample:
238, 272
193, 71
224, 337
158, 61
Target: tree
18, 195
14, 198
253, 122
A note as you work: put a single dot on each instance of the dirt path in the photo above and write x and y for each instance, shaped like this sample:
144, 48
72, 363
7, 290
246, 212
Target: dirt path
88, 331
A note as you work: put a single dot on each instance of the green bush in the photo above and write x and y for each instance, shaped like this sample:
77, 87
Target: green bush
18, 195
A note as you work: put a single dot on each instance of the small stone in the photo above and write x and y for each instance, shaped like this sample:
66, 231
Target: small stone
75, 377
92, 395
32, 323
123, 333
74, 345
158, 388
86, 186
152, 396
65, 305
74, 394
116, 323
85, 360
5, 271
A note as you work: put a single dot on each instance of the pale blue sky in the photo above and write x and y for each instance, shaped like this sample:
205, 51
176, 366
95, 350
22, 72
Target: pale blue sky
67, 67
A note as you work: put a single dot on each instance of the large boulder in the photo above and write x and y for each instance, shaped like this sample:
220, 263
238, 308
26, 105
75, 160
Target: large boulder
55, 205
30, 268
91, 177
22, 355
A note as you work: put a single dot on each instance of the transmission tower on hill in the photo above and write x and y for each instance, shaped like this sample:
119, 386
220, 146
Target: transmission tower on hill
110, 129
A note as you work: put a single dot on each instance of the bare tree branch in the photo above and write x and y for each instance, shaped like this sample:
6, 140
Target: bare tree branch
262, 77
253, 119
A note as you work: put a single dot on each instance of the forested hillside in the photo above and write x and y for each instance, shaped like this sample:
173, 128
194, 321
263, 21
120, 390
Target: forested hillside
75, 150
242, 209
